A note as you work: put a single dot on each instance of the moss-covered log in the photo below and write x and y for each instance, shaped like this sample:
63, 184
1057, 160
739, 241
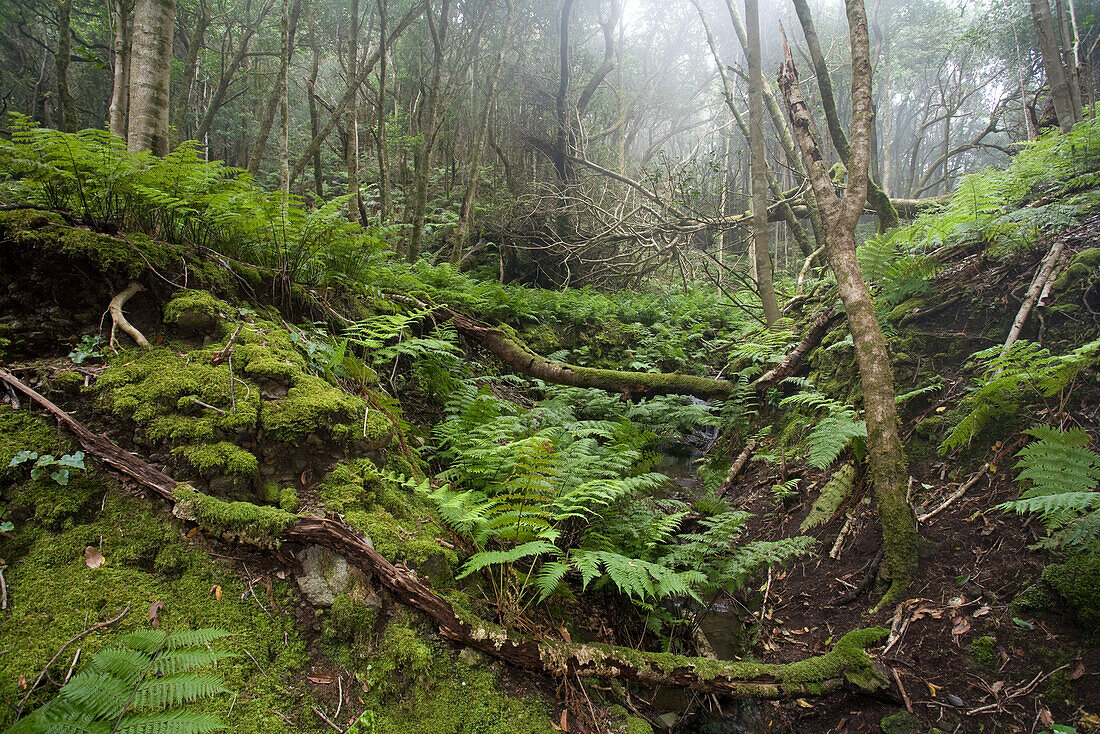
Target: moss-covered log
847, 665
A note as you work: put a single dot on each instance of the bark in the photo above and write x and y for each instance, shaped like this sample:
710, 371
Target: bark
876, 197
351, 122
846, 666
290, 23
789, 365
1047, 35
762, 256
477, 144
311, 90
888, 467
429, 130
69, 121
190, 67
150, 72
218, 98
385, 202
364, 71
120, 75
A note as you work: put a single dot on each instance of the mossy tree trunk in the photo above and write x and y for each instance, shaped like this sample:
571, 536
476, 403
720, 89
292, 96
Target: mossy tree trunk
69, 121
888, 467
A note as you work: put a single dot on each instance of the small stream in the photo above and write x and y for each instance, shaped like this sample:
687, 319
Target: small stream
722, 625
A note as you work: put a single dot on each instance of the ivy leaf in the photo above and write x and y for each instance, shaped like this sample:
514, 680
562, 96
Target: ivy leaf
76, 461
22, 457
61, 476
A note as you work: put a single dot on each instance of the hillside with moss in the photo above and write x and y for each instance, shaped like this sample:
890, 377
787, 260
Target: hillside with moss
675, 563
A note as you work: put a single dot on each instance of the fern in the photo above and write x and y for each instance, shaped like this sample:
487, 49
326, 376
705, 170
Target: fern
839, 428
143, 686
1063, 474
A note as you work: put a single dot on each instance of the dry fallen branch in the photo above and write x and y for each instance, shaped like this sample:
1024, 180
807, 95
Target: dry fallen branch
956, 495
846, 665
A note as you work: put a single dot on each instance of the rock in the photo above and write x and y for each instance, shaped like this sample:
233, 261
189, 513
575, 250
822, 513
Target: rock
323, 577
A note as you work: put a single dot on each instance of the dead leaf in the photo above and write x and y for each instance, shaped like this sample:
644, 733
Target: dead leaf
23, 681
962, 626
1077, 672
1046, 717
153, 609
932, 689
92, 557
565, 635
982, 611
324, 679
217, 592
804, 703
564, 720
193, 532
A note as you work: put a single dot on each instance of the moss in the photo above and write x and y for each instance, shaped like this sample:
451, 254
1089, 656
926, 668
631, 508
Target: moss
195, 311
983, 652
400, 522
905, 308
902, 722
288, 500
53, 595
1082, 269
414, 686
637, 725
1077, 581
242, 521
68, 381
220, 458
832, 496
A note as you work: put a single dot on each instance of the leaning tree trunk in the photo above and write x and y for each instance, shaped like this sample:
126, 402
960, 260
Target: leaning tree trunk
888, 467
275, 101
150, 70
190, 69
120, 85
69, 121
759, 163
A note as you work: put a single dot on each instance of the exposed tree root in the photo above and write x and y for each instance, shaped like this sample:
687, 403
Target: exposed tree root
118, 319
847, 665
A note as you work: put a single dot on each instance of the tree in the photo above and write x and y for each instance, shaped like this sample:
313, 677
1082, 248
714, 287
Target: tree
761, 256
1066, 99
886, 458
150, 73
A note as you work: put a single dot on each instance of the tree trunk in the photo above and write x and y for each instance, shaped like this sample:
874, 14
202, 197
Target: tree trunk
351, 122
879, 201
429, 129
120, 85
1047, 34
278, 92
477, 144
311, 90
385, 198
762, 256
888, 468
190, 67
290, 20
69, 121
150, 72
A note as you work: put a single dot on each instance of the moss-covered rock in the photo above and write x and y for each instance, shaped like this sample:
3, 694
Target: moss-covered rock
1077, 581
68, 381
902, 722
195, 312
238, 521
983, 651
399, 521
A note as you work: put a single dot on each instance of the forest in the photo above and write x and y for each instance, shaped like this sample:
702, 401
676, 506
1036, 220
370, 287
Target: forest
531, 366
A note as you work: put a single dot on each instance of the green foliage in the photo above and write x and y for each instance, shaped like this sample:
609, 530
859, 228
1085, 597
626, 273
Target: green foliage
547, 495
1023, 375
1064, 475
89, 347
831, 434
47, 465
142, 686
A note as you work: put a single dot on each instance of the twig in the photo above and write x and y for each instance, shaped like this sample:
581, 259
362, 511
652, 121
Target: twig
246, 652
70, 673
326, 719
340, 699
845, 529
196, 401
3, 590
901, 689
737, 465
118, 319
252, 593
93, 628
958, 493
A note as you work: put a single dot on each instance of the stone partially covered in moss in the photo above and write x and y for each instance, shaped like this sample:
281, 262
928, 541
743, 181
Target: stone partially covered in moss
222, 457
195, 312
237, 521
399, 521
984, 653
902, 722
68, 381
1077, 581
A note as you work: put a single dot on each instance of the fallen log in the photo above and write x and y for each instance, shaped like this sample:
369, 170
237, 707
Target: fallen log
846, 666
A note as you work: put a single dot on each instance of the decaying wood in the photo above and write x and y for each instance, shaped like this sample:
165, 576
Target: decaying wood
736, 467
1038, 284
789, 365
118, 319
846, 666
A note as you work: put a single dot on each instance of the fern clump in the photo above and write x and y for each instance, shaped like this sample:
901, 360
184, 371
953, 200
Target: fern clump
144, 685
1063, 474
